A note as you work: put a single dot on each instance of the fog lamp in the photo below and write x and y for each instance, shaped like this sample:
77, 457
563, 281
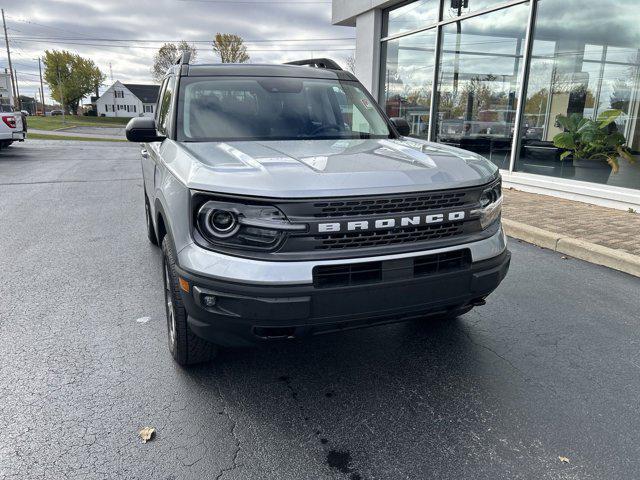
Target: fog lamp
209, 301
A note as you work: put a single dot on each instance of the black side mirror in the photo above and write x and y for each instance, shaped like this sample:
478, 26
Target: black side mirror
142, 130
402, 126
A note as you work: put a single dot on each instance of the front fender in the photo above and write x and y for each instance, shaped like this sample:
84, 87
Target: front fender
172, 202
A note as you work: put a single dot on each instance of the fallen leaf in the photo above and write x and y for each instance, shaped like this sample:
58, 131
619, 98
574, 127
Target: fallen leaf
563, 459
146, 434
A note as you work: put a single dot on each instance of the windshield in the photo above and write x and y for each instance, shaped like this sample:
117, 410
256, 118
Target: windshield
276, 108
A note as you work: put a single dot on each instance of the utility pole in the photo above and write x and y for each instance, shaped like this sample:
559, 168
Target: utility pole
18, 90
6, 41
41, 87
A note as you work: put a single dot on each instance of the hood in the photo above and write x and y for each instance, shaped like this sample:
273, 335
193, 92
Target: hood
326, 168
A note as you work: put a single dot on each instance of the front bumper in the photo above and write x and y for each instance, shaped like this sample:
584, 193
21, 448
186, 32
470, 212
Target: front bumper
252, 310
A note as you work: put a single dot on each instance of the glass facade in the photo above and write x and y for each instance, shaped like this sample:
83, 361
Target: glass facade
580, 67
408, 79
411, 16
478, 82
479, 52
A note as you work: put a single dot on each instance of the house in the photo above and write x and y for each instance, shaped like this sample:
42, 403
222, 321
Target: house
494, 76
128, 100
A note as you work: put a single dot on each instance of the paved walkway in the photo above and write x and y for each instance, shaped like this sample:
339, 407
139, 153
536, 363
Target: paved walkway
100, 131
606, 227
70, 133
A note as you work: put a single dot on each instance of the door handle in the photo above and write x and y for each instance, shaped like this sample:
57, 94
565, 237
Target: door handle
144, 153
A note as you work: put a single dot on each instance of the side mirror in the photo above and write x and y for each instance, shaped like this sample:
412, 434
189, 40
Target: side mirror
401, 125
142, 130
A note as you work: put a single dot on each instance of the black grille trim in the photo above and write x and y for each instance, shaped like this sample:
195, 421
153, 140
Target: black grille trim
382, 206
442, 263
388, 237
354, 274
347, 275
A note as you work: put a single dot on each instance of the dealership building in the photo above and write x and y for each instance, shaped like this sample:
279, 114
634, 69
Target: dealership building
493, 77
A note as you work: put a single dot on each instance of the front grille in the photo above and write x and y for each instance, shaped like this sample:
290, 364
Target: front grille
345, 275
332, 276
370, 240
442, 263
387, 237
394, 204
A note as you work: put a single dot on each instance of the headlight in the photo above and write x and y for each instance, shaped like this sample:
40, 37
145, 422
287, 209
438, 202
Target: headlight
236, 225
220, 223
490, 206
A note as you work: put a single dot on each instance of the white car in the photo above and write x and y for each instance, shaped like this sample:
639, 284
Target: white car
13, 128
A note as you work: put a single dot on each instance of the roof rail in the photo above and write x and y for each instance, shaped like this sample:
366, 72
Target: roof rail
183, 59
317, 63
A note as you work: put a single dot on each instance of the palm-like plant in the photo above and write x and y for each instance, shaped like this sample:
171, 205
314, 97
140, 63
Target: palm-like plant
593, 139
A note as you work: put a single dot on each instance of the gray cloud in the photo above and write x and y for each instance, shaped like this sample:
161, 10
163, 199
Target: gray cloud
81, 26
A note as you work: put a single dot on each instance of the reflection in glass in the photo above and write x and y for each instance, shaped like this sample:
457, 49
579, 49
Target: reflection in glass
579, 69
412, 16
457, 8
408, 79
479, 74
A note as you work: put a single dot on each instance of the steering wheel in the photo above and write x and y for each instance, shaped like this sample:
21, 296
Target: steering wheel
328, 127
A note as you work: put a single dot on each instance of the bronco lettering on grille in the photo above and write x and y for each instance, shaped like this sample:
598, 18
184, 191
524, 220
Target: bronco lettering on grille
389, 223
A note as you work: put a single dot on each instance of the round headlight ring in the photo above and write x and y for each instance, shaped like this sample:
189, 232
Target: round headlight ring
221, 223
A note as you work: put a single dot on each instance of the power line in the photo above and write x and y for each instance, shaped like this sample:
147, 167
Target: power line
66, 30
308, 49
143, 40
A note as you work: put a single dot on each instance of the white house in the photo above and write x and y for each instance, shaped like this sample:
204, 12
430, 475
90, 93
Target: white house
128, 100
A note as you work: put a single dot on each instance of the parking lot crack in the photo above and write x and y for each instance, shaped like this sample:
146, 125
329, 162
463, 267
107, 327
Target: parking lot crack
234, 425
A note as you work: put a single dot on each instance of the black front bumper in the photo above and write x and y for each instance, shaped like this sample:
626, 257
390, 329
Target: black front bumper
246, 314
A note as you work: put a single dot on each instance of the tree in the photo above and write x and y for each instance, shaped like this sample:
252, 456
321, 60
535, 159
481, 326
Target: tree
70, 77
230, 48
167, 56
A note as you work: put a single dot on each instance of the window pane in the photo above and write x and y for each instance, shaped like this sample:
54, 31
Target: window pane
276, 108
163, 118
478, 82
414, 15
582, 70
457, 8
408, 79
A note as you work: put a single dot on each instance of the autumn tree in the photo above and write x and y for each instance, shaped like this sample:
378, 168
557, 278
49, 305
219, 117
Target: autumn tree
167, 56
230, 48
70, 77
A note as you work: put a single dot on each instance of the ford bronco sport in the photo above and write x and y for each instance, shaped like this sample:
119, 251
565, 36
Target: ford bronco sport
287, 204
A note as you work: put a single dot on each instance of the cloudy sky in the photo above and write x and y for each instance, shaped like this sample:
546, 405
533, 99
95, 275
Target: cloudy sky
121, 36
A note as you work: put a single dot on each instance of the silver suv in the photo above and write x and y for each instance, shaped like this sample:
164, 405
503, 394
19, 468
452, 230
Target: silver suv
287, 204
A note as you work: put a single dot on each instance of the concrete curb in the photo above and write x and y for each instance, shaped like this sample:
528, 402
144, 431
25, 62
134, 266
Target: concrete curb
590, 252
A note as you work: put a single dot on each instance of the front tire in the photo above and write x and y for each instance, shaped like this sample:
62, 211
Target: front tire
185, 347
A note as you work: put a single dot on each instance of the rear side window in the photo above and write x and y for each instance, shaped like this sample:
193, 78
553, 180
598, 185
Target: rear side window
165, 106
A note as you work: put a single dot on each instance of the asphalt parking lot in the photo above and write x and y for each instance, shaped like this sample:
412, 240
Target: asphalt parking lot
549, 368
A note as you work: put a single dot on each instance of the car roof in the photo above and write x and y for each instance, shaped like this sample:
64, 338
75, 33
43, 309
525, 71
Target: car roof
259, 70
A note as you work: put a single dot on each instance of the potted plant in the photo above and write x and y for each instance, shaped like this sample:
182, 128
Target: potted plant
595, 145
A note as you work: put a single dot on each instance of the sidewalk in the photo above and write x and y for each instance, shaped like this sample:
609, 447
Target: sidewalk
595, 234
69, 133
